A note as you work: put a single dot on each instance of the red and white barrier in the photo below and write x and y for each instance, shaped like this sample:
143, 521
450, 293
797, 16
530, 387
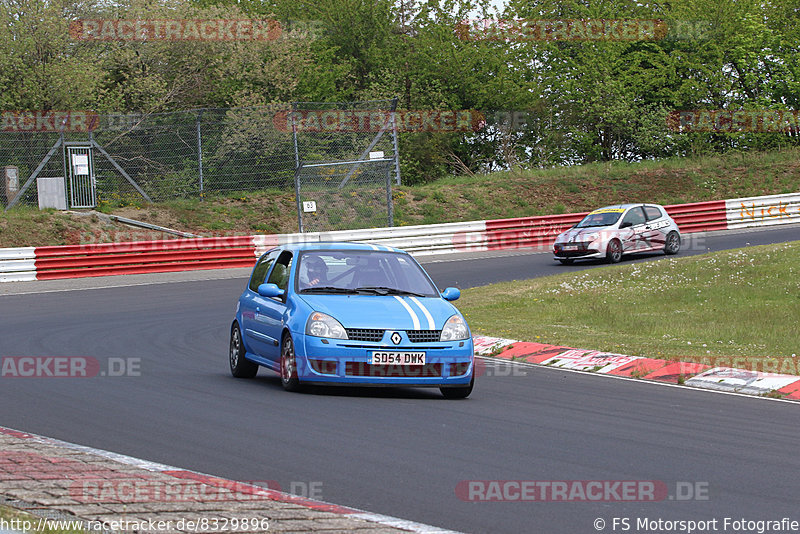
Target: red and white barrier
17, 264
763, 211
75, 261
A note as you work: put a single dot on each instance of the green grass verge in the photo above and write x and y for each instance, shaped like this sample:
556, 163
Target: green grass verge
25, 522
743, 302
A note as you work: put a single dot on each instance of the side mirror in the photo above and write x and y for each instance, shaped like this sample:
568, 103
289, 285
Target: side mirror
270, 291
626, 224
451, 293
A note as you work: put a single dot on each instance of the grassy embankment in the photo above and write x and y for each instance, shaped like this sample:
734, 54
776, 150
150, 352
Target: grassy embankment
515, 193
737, 303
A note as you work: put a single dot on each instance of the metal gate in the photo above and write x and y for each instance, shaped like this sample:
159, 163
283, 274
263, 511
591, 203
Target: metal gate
80, 173
345, 159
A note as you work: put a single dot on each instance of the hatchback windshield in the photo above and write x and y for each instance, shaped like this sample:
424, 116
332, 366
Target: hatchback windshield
600, 218
362, 272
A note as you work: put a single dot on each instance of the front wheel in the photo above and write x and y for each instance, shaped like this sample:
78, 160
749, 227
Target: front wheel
289, 379
614, 251
673, 243
460, 392
241, 367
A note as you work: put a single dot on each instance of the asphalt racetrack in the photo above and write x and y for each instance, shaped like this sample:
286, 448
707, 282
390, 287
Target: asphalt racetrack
400, 452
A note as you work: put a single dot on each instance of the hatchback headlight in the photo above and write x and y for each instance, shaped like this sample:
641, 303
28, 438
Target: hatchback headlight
323, 325
454, 329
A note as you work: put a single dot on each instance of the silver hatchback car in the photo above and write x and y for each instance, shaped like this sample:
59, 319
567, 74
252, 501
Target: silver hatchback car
612, 231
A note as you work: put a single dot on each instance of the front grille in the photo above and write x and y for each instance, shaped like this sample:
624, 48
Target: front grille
364, 334
423, 336
393, 371
575, 253
581, 250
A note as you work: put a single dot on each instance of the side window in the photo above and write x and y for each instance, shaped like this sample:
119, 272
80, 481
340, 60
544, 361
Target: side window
634, 216
652, 212
261, 269
280, 273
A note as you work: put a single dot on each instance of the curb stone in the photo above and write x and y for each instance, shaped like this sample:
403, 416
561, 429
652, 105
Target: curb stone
63, 481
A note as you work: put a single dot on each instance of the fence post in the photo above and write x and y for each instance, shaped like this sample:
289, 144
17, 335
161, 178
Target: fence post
394, 142
200, 153
296, 170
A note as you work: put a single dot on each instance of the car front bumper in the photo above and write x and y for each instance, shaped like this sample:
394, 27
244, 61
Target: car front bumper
342, 361
577, 251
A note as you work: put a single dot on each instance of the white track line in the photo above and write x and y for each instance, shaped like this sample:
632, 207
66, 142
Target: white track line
630, 378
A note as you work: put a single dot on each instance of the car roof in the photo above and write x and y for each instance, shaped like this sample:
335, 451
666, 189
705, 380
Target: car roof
625, 206
338, 245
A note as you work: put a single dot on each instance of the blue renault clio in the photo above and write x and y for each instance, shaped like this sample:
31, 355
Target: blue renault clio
350, 314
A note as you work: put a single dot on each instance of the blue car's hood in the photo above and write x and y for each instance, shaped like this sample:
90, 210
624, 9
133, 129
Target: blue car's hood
383, 311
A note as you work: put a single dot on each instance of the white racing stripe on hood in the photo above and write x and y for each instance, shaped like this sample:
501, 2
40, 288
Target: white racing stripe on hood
431, 323
410, 312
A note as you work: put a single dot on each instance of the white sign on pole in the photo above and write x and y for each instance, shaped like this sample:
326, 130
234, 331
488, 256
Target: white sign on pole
80, 164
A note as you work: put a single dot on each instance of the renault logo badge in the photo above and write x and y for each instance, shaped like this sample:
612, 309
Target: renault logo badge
396, 339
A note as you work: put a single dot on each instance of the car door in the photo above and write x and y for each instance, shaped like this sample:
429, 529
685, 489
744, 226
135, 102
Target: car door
655, 238
269, 312
631, 229
250, 306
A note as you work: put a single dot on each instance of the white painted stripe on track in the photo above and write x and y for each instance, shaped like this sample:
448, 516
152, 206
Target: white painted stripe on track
631, 379
402, 523
121, 458
431, 322
410, 311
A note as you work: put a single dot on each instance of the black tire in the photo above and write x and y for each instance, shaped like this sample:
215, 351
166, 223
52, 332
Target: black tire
289, 379
566, 261
241, 367
614, 251
672, 244
458, 393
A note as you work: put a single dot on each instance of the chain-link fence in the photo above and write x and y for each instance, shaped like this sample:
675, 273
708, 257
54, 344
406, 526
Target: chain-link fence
202, 153
346, 157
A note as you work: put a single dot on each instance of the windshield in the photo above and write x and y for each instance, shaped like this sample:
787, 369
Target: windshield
600, 218
362, 272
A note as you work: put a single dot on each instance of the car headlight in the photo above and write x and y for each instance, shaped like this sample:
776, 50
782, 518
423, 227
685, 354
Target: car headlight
454, 329
323, 325
591, 237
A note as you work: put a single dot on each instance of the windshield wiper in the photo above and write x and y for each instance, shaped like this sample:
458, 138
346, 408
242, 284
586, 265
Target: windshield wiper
328, 289
383, 290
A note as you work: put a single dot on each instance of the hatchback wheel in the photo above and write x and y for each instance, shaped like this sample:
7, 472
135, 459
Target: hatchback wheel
241, 367
289, 378
673, 243
614, 251
460, 392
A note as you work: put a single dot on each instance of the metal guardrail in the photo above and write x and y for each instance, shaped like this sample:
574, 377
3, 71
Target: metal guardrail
73, 261
763, 211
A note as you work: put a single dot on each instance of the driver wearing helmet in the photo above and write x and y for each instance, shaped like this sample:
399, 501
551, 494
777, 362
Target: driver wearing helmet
316, 272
